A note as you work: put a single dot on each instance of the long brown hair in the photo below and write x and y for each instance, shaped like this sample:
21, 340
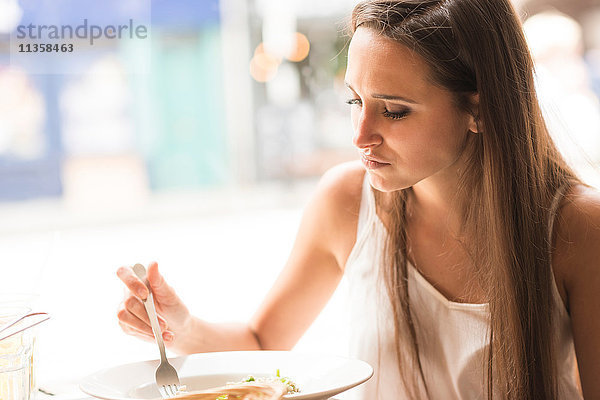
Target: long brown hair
514, 171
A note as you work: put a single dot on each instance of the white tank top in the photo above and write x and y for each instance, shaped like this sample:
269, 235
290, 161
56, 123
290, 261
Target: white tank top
453, 337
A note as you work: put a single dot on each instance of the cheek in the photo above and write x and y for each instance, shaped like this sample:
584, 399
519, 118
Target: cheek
446, 129
433, 143
444, 139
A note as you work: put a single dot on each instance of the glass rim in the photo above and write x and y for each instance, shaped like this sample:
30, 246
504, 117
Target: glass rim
12, 311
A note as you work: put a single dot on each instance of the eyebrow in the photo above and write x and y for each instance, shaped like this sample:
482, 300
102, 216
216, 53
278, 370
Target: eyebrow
386, 96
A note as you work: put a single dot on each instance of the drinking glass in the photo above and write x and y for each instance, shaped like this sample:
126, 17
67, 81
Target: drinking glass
17, 378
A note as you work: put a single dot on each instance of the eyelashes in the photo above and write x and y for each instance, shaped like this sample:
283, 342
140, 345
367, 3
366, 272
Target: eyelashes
386, 113
396, 116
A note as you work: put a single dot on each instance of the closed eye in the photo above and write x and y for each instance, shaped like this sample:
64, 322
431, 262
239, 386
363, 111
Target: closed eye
386, 113
396, 115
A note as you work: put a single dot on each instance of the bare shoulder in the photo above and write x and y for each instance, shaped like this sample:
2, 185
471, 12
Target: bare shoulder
577, 237
337, 198
579, 218
577, 258
342, 184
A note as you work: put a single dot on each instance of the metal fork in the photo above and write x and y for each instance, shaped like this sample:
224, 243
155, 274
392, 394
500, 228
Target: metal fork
166, 376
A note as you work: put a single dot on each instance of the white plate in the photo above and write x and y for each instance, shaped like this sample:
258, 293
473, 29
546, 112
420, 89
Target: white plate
318, 376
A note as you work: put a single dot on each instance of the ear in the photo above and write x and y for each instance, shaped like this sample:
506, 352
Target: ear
474, 122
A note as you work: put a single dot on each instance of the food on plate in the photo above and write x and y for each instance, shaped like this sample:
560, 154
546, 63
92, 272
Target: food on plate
239, 391
251, 388
290, 385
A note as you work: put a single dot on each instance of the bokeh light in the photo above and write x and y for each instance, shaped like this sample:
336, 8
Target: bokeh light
264, 65
301, 48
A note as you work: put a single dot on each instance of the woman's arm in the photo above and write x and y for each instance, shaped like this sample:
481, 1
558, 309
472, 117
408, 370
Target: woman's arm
578, 238
312, 273
315, 266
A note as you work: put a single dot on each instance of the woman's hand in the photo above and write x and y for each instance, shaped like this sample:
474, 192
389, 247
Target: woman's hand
173, 316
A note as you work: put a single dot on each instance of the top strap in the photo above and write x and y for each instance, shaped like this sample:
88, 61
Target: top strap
364, 214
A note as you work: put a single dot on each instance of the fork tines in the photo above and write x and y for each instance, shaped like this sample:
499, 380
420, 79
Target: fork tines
168, 391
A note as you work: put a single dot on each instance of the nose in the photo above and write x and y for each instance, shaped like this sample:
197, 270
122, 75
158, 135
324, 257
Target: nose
365, 131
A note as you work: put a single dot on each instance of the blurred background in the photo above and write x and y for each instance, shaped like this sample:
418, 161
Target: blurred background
203, 159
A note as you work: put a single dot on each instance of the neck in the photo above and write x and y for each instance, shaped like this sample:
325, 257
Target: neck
435, 202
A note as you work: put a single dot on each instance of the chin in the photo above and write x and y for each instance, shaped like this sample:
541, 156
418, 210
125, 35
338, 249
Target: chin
387, 185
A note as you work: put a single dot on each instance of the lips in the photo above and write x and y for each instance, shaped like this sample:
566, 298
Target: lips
373, 159
371, 162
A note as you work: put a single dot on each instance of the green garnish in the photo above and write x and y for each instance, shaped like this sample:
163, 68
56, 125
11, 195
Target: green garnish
289, 384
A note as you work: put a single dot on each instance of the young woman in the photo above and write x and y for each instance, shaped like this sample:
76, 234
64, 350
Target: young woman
470, 245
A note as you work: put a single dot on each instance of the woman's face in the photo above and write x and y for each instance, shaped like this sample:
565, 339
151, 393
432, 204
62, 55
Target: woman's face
406, 128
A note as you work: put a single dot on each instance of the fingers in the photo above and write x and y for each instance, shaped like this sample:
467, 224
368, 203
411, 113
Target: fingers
134, 311
128, 319
135, 334
133, 320
163, 293
132, 314
128, 329
133, 283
